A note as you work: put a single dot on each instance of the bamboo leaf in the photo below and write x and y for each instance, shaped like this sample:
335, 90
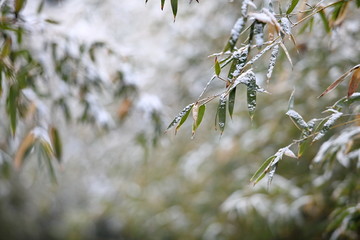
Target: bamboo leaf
183, 119
297, 119
217, 67
235, 33
221, 113
272, 62
231, 101
327, 125
6, 48
180, 115
287, 54
251, 98
24, 148
12, 107
354, 82
162, 4
259, 33
291, 100
19, 5
174, 7
289, 153
263, 169
303, 145
41, 6
325, 21
292, 6
198, 114
339, 80
56, 143
358, 3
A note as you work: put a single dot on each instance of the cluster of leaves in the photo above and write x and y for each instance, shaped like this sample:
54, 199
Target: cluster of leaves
32, 87
174, 6
278, 27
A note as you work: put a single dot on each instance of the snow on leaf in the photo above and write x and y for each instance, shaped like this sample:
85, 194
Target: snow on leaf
251, 96
297, 119
290, 153
261, 172
221, 113
183, 119
240, 58
272, 62
180, 115
259, 33
285, 25
235, 33
327, 125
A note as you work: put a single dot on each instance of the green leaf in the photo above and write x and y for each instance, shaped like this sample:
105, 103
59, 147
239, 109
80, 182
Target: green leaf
183, 119
162, 4
261, 172
174, 7
198, 114
217, 67
56, 143
303, 145
292, 6
19, 5
235, 33
180, 115
6, 48
1, 80
251, 96
325, 21
40, 7
45, 151
221, 113
231, 101
12, 107
358, 3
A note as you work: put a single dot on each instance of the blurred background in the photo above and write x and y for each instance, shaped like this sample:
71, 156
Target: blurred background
121, 177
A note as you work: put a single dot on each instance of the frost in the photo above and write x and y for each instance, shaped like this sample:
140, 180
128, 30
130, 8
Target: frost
285, 25
327, 125
259, 33
236, 30
295, 116
180, 115
272, 62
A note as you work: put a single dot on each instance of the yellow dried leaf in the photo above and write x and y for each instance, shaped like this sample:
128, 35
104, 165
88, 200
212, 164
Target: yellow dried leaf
25, 146
354, 82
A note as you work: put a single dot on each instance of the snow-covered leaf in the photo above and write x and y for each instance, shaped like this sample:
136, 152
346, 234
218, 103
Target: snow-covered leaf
297, 119
259, 33
327, 125
180, 115
183, 119
221, 113
263, 169
272, 62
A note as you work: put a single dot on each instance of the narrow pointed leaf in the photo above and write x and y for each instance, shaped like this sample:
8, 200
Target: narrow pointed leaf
231, 101
271, 174
174, 7
290, 153
263, 169
287, 54
327, 125
354, 82
292, 6
235, 33
23, 150
259, 33
297, 119
183, 119
339, 80
272, 62
217, 67
303, 145
162, 4
198, 114
180, 115
19, 5
6, 48
56, 143
251, 99
12, 107
221, 113
291, 100
325, 21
